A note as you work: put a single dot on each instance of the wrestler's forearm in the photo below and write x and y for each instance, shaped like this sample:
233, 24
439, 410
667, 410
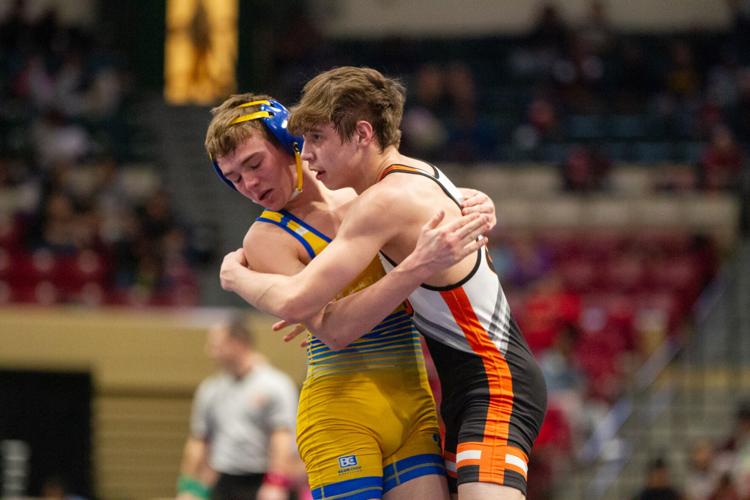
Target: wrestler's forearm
347, 319
343, 321
195, 473
280, 445
286, 297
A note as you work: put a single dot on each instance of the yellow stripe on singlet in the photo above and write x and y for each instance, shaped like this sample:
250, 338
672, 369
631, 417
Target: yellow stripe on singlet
313, 240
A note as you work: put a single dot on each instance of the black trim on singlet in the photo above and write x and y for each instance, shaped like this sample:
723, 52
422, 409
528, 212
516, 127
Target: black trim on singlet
435, 177
452, 286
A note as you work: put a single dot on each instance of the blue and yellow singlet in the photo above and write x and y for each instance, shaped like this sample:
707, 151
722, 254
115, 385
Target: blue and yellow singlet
366, 420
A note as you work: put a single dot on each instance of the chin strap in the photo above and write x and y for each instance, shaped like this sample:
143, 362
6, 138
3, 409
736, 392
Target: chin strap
298, 161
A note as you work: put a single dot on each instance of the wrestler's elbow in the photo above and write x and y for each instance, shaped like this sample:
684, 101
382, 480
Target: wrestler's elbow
293, 309
343, 338
333, 341
334, 344
291, 312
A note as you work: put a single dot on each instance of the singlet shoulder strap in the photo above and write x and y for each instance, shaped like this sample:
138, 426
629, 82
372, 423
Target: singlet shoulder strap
396, 167
435, 176
310, 238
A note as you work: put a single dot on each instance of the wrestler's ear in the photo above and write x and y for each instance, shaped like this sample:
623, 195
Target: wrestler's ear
363, 132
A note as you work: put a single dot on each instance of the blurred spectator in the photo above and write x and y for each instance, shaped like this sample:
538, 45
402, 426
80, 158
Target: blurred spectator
741, 12
423, 123
55, 488
566, 382
585, 169
735, 452
526, 261
55, 227
57, 139
709, 115
559, 365
13, 27
722, 161
721, 84
545, 311
241, 443
471, 137
156, 215
703, 471
725, 490
578, 74
596, 30
635, 80
659, 484
541, 477
19, 193
683, 78
740, 113
86, 227
549, 30
542, 114
287, 24
554, 445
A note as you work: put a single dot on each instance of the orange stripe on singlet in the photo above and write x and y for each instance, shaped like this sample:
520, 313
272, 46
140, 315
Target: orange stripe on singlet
400, 168
497, 424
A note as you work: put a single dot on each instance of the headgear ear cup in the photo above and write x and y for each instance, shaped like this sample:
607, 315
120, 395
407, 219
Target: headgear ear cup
275, 117
221, 175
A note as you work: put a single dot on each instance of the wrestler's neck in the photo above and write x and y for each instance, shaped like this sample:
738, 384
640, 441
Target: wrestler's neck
312, 191
246, 364
314, 196
376, 162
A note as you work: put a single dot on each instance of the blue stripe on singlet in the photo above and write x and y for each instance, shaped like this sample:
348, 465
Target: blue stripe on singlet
289, 230
363, 488
395, 334
411, 468
304, 224
394, 321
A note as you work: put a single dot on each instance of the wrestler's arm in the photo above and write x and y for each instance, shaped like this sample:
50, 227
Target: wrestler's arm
439, 246
343, 321
366, 228
267, 248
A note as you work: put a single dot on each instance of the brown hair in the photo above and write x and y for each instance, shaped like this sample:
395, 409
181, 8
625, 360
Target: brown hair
222, 137
345, 95
238, 329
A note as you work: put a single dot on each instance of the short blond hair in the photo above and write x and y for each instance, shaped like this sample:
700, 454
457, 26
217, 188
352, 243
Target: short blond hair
345, 95
222, 137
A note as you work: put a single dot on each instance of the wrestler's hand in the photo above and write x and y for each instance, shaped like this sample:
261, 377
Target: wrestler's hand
233, 264
272, 492
479, 203
289, 336
442, 246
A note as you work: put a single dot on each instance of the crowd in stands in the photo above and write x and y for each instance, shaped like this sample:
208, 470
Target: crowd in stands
584, 96
578, 96
593, 307
79, 222
715, 470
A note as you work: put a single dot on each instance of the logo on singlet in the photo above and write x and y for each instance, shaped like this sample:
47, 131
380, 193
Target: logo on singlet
347, 461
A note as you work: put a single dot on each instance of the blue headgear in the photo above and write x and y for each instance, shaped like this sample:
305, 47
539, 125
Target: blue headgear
275, 118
